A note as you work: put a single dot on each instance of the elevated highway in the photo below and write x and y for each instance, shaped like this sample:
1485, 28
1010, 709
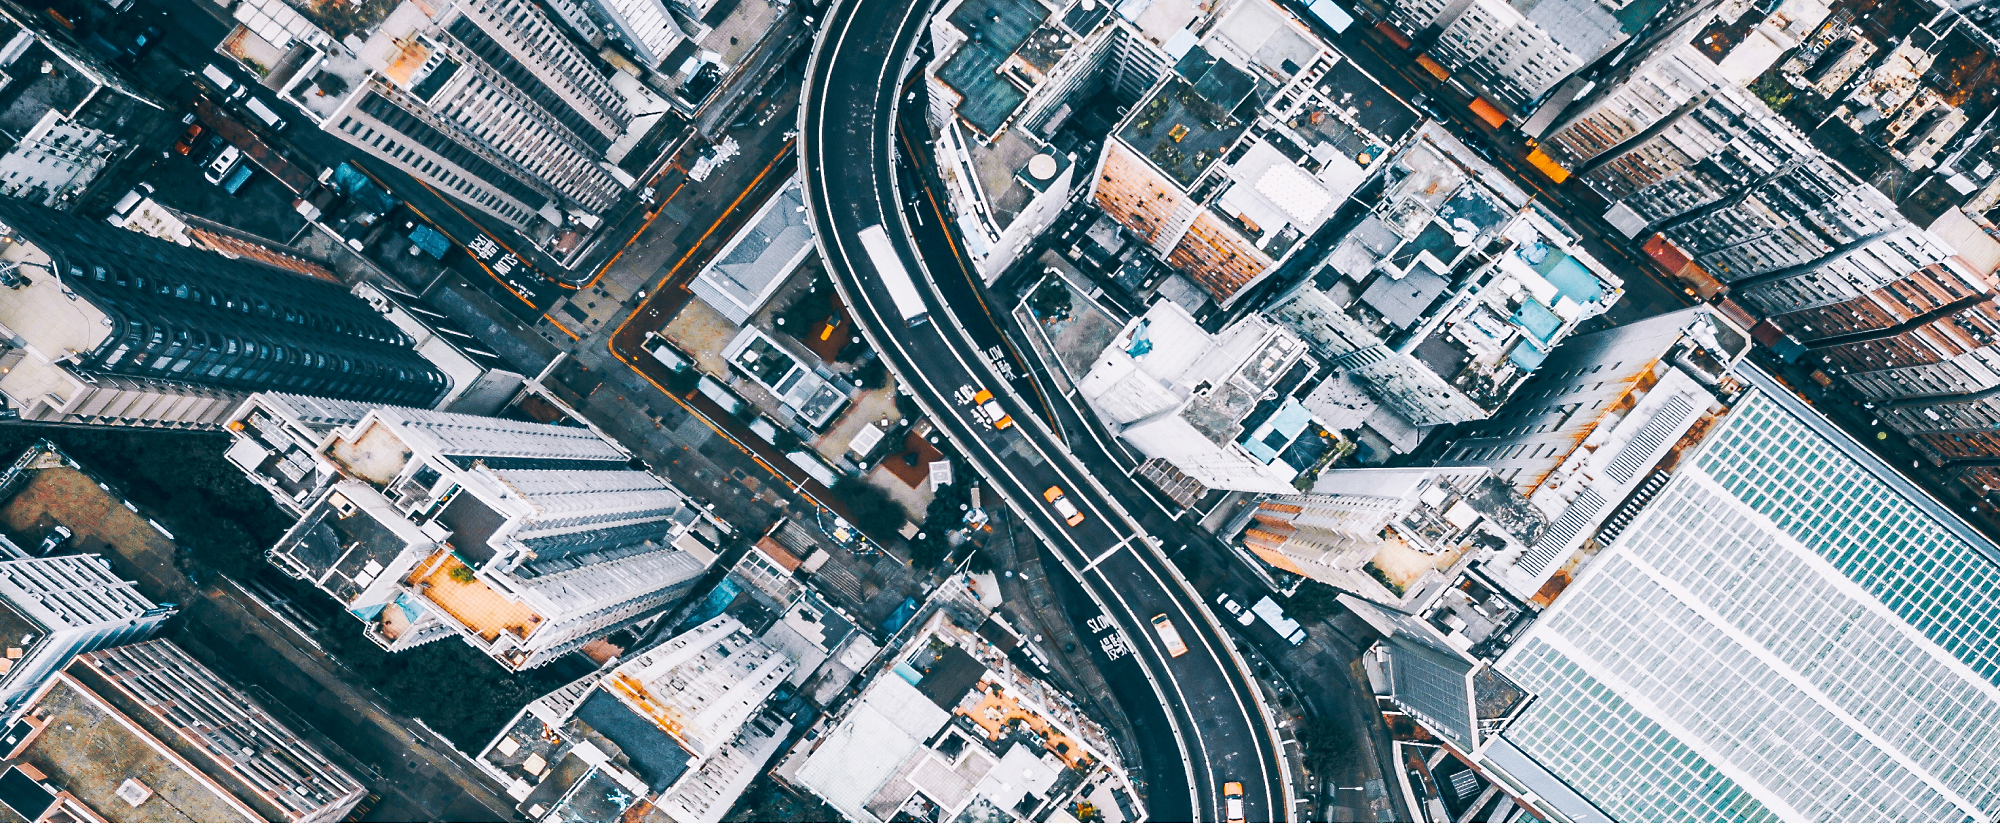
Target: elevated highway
1197, 714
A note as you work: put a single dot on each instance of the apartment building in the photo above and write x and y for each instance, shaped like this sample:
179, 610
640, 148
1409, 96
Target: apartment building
53, 609
527, 540
115, 328
1219, 408
1224, 189
1449, 293
1515, 55
143, 732
997, 98
938, 732
1738, 644
488, 101
681, 726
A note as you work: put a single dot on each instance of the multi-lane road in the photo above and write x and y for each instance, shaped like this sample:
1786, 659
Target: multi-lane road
1200, 722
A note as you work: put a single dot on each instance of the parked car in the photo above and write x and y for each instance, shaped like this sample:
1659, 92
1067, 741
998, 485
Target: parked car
234, 182
189, 138
136, 46
224, 164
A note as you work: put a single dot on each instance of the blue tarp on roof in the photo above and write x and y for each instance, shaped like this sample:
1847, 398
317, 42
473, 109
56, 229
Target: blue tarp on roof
1536, 319
1574, 281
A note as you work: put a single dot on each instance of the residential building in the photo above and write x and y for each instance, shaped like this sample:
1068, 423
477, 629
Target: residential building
648, 27
1224, 189
52, 609
488, 101
997, 98
144, 732
527, 540
950, 728
1219, 408
1514, 55
681, 726
1684, 152
114, 328
1450, 292
56, 160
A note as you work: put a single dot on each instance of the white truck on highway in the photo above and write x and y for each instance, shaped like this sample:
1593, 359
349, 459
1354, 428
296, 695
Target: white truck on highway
902, 289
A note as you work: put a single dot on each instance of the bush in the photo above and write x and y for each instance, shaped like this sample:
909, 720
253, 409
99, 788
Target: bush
463, 574
1050, 302
871, 375
1313, 601
870, 509
943, 516
808, 309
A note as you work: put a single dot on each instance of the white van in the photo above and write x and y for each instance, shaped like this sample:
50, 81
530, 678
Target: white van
224, 163
265, 114
218, 78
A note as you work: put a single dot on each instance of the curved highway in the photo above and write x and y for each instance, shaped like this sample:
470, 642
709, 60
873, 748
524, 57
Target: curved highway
1215, 731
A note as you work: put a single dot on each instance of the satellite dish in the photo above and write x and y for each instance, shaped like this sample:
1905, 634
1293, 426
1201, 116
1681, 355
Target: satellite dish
1042, 166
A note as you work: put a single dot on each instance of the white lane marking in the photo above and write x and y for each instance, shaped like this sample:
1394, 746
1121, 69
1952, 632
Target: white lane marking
993, 458
1107, 553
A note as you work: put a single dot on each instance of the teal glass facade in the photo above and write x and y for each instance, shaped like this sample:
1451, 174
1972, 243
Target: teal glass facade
1784, 633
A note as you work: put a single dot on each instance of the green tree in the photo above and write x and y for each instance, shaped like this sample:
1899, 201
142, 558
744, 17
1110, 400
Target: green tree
870, 508
942, 517
1313, 601
1051, 300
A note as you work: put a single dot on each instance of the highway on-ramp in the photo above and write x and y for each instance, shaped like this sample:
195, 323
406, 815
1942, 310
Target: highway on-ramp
1199, 720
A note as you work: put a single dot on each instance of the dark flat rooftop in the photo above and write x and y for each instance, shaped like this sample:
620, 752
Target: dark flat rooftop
654, 755
1376, 109
995, 28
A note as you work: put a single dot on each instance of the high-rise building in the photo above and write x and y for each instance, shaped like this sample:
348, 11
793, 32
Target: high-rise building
1738, 642
488, 101
52, 609
528, 540
1219, 408
685, 718
1390, 535
997, 98
1451, 291
1593, 381
114, 328
1222, 180
144, 732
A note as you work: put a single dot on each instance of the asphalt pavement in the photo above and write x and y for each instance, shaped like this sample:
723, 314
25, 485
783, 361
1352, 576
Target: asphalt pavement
1211, 710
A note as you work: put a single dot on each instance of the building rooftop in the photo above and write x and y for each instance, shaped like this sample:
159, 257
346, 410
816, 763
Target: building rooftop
89, 749
653, 755
755, 262
340, 546
1183, 127
978, 70
474, 603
